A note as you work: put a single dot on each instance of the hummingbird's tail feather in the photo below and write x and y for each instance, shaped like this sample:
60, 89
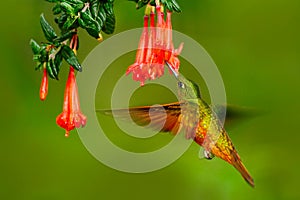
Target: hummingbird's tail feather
237, 163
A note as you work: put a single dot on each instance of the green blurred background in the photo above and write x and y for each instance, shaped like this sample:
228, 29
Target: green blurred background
256, 46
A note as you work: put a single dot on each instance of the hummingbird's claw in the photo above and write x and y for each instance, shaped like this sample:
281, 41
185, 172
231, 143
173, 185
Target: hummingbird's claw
208, 155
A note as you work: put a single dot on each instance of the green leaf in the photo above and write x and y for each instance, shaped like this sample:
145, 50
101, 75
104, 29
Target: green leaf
78, 7
67, 8
175, 6
35, 47
70, 57
93, 32
75, 2
43, 54
54, 68
91, 25
49, 68
82, 24
61, 20
56, 9
108, 8
69, 23
38, 66
58, 59
65, 36
109, 26
94, 8
86, 16
101, 18
47, 29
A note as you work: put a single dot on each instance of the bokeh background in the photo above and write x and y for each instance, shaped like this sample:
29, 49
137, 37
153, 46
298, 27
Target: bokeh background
255, 45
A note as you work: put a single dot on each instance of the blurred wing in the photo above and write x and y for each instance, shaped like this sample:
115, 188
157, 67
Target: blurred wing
236, 114
153, 115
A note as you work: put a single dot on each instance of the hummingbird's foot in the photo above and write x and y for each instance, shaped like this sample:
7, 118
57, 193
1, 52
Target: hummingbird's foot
208, 155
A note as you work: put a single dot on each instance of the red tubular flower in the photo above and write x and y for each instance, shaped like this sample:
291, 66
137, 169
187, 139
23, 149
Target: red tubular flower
137, 70
171, 54
44, 86
155, 48
168, 37
156, 68
71, 116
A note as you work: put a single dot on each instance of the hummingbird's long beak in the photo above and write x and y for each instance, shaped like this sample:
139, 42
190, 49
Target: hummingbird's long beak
171, 68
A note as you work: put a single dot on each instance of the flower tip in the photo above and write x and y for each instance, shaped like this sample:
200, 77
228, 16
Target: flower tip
67, 134
42, 97
44, 86
179, 49
100, 38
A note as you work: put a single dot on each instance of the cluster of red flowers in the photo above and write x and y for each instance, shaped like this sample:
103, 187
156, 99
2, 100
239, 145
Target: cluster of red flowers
155, 48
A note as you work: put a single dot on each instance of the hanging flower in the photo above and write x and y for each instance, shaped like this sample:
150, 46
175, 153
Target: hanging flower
71, 116
138, 69
155, 48
44, 85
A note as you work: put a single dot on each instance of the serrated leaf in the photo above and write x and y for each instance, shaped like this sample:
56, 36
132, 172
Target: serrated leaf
70, 57
47, 29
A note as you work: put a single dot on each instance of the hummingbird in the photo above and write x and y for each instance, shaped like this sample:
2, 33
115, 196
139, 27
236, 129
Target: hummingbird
199, 121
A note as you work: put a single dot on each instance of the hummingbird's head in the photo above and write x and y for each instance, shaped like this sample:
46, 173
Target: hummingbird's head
187, 89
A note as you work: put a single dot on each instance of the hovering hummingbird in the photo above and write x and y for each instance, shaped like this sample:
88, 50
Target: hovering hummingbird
196, 117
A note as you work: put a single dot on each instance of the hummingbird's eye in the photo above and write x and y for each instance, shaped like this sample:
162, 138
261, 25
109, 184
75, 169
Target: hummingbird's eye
181, 85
